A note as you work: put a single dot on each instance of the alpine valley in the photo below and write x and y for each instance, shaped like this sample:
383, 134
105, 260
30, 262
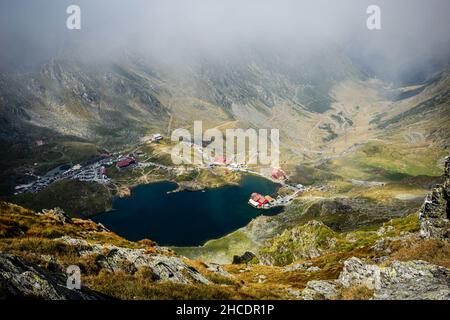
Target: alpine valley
87, 179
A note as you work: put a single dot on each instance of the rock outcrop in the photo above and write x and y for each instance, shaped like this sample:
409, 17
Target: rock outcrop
411, 280
435, 212
57, 214
320, 290
20, 279
245, 258
113, 258
302, 242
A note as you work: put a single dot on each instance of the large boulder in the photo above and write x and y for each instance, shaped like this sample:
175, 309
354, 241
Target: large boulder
435, 212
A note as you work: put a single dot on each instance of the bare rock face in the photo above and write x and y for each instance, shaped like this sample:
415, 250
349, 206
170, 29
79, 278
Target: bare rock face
321, 290
357, 273
217, 268
435, 212
23, 280
57, 214
412, 280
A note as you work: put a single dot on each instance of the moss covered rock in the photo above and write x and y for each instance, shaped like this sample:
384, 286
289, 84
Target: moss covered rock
302, 242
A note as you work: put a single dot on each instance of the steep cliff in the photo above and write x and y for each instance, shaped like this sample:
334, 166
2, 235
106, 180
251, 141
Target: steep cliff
435, 212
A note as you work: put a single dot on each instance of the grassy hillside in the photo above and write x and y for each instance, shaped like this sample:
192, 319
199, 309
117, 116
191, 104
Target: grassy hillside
286, 263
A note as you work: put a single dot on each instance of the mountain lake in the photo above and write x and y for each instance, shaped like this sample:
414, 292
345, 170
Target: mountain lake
185, 218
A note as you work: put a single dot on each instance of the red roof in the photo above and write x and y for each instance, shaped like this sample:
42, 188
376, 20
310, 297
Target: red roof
277, 173
255, 196
125, 162
220, 160
258, 198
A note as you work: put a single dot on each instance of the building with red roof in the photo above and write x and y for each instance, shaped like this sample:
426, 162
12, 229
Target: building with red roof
256, 197
220, 161
278, 174
125, 162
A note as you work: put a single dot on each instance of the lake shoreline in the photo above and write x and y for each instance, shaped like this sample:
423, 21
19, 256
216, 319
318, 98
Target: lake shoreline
193, 216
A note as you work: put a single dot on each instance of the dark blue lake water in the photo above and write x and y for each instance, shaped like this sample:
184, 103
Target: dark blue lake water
185, 218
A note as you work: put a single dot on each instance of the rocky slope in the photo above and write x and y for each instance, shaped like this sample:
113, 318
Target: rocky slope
42, 245
412, 280
163, 267
22, 279
314, 261
309, 261
409, 280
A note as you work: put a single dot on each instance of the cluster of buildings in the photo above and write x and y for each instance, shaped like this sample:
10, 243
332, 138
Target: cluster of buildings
266, 202
261, 202
33, 186
97, 174
93, 169
223, 162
